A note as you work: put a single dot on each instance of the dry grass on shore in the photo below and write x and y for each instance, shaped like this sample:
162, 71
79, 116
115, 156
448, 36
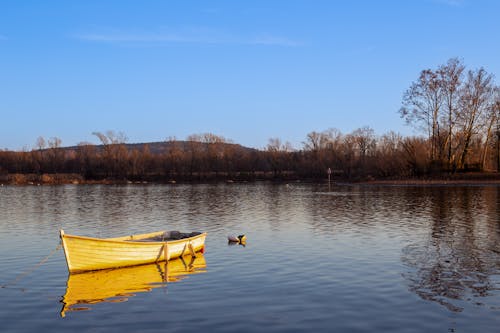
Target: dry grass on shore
483, 178
472, 178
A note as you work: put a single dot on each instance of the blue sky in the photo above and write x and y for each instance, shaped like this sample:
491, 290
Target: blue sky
245, 70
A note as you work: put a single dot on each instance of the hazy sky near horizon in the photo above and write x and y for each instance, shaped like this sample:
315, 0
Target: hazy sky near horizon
245, 70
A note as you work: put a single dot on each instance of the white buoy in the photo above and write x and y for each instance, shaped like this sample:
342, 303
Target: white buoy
241, 239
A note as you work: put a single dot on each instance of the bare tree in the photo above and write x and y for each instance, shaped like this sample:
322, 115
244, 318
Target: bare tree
275, 145
115, 152
475, 100
195, 153
54, 142
173, 157
40, 143
56, 154
39, 155
365, 140
422, 103
451, 80
496, 107
111, 137
416, 155
348, 154
278, 154
86, 157
215, 151
313, 141
491, 121
390, 161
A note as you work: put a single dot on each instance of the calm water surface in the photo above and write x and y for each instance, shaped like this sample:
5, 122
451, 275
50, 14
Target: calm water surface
346, 259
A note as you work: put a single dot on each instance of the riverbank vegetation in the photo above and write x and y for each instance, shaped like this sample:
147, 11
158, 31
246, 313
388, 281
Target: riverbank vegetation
456, 109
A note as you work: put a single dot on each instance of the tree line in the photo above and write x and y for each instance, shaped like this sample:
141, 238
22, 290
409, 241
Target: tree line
456, 110
459, 110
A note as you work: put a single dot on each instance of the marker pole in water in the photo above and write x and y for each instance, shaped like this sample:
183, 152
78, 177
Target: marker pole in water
329, 172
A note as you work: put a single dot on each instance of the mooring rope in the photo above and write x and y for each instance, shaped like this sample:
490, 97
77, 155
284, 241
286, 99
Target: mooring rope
32, 269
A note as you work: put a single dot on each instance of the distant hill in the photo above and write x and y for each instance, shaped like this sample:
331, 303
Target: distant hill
164, 146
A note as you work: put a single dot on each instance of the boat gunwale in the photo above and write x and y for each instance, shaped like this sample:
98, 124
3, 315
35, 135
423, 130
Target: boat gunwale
132, 241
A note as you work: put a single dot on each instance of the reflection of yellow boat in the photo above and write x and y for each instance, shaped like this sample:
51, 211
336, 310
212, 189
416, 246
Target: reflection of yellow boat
117, 285
87, 253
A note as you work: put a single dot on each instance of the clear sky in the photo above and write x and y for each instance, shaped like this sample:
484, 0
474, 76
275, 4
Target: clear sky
245, 70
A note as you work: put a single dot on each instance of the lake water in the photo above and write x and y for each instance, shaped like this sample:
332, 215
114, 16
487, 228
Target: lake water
343, 259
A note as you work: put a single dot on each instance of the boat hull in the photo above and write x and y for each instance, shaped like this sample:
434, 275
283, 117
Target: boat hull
88, 254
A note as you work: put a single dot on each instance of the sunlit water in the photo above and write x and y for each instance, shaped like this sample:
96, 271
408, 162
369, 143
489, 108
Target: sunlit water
345, 258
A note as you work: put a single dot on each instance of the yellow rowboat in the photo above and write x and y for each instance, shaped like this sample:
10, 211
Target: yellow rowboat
119, 284
88, 253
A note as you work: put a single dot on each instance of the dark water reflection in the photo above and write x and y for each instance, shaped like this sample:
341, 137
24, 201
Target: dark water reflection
459, 259
455, 259
346, 259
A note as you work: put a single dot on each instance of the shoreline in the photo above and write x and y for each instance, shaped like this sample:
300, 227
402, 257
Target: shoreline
431, 182
471, 179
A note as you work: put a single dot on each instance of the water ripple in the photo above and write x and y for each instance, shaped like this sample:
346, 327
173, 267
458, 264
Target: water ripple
346, 258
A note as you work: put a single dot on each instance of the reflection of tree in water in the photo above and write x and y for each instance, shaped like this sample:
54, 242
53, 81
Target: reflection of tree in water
454, 264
